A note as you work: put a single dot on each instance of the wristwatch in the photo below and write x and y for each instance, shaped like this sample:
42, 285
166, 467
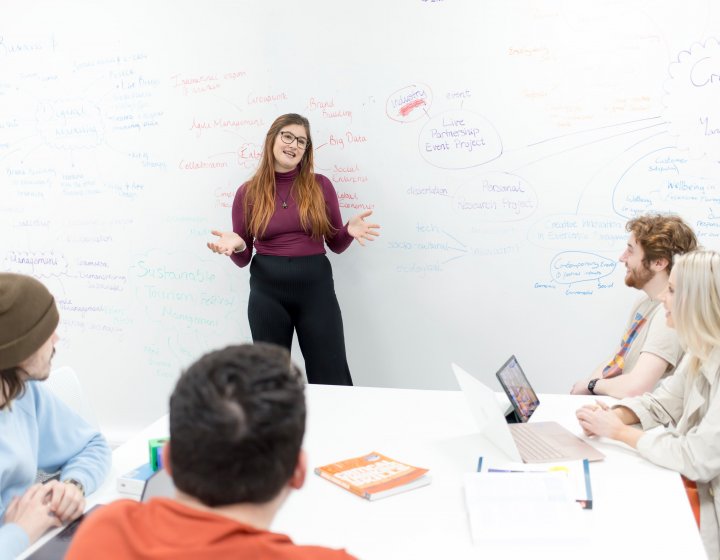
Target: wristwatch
75, 483
591, 385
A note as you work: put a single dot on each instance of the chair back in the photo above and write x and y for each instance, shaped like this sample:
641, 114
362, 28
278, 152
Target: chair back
64, 383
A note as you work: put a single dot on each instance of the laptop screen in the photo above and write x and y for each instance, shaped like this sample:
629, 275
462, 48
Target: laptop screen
518, 389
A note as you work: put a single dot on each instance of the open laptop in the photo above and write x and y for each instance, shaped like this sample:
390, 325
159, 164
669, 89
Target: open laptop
536, 442
160, 484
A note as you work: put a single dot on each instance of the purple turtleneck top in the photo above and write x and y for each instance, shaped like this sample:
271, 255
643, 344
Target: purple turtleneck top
284, 236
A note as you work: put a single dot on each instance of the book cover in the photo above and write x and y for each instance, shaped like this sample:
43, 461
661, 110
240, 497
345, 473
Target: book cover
374, 476
578, 473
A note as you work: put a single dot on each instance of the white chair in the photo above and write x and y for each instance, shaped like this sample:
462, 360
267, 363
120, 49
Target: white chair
66, 386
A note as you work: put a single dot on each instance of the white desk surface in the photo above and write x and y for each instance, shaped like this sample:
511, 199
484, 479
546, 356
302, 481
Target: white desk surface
640, 510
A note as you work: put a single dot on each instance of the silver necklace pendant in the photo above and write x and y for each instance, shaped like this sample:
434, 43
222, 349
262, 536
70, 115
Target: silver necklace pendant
284, 204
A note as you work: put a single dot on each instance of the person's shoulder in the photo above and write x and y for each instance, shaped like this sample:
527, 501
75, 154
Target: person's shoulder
35, 389
33, 395
643, 305
281, 546
318, 553
326, 186
101, 526
110, 513
242, 189
106, 519
657, 315
40, 399
323, 181
643, 298
654, 311
332, 554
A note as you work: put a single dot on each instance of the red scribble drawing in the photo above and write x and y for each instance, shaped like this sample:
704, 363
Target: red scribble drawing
406, 109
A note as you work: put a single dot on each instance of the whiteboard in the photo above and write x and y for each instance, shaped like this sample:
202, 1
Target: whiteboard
501, 145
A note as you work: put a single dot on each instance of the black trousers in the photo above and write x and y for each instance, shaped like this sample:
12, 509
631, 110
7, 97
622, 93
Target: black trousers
298, 294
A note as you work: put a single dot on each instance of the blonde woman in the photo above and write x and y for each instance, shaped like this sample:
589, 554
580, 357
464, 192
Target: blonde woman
687, 403
288, 213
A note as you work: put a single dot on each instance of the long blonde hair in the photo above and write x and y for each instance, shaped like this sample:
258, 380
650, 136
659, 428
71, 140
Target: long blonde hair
260, 190
696, 306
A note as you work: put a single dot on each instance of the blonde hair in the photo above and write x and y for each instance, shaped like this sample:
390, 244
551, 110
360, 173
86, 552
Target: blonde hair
696, 306
260, 193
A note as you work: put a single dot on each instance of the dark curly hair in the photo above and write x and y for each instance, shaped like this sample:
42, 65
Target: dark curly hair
237, 420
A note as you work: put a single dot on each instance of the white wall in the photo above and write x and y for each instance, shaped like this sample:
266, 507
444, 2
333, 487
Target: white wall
502, 145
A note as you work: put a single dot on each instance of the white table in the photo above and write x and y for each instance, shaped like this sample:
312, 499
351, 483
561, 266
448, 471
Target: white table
640, 510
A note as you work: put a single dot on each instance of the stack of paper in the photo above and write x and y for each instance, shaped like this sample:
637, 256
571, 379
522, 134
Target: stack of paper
577, 472
530, 506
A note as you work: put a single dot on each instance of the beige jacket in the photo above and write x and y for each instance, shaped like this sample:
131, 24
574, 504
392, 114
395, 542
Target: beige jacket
689, 407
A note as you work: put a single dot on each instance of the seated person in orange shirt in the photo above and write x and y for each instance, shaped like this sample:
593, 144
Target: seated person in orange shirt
237, 419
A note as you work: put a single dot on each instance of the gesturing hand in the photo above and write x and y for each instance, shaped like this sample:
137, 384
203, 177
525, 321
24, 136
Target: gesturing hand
33, 511
361, 230
227, 244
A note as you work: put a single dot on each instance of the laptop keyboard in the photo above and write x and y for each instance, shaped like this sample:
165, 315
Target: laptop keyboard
531, 445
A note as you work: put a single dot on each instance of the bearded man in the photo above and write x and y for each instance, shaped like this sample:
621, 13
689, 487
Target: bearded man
649, 349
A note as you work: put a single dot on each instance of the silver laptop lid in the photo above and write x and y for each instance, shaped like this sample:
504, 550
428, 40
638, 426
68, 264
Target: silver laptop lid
487, 413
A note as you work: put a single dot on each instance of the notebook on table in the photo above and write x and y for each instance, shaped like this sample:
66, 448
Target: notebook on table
158, 485
535, 442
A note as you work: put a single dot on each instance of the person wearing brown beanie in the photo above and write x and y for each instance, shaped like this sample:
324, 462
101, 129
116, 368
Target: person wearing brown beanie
38, 430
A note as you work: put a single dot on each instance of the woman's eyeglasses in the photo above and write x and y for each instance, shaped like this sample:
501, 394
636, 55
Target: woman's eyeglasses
289, 138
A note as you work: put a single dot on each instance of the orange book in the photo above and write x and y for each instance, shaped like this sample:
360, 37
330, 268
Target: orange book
374, 476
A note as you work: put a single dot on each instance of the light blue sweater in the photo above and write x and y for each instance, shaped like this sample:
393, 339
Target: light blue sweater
41, 432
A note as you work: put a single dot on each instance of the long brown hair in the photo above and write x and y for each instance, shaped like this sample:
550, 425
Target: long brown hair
260, 190
12, 385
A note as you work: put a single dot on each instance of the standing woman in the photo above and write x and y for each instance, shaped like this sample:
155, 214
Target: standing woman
289, 213
686, 403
